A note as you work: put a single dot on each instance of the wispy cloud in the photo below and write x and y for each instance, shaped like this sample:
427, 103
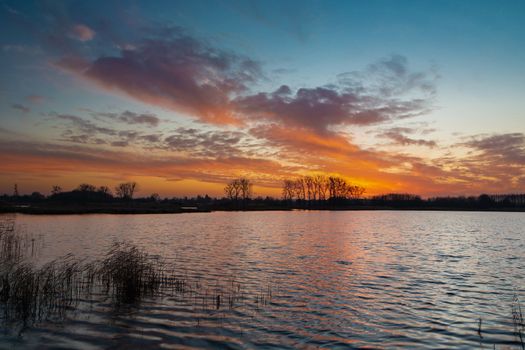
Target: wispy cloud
131, 118
21, 108
398, 136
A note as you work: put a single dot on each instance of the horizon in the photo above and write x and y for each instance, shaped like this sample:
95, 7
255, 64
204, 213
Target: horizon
405, 97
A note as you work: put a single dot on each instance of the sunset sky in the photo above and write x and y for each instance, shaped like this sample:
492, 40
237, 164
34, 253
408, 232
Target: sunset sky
426, 97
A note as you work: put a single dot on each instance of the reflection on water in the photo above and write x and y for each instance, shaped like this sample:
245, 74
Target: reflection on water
326, 279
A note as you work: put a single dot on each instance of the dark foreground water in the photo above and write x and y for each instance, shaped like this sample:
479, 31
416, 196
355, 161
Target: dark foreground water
307, 280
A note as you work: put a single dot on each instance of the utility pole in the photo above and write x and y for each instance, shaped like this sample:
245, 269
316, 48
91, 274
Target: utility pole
15, 192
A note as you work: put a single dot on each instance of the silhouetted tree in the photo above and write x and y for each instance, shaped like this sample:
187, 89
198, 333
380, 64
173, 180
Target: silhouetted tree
126, 190
288, 190
86, 188
320, 188
300, 188
105, 190
485, 201
240, 188
246, 188
37, 196
56, 190
233, 190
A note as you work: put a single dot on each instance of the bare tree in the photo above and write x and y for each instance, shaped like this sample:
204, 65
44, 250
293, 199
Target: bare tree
310, 188
300, 188
246, 188
288, 190
105, 190
233, 190
240, 188
126, 190
355, 192
86, 188
56, 190
320, 187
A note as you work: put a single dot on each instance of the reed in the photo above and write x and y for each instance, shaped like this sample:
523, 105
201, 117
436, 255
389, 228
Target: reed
31, 294
126, 274
129, 274
517, 320
10, 242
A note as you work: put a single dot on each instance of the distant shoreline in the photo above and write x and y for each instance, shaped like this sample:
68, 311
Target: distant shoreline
164, 210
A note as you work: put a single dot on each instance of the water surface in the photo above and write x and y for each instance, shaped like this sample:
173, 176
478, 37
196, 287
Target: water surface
343, 279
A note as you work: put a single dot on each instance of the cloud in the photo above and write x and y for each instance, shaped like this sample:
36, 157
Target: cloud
205, 143
397, 136
386, 92
171, 69
391, 76
82, 32
21, 108
65, 160
131, 118
84, 125
84, 131
120, 143
509, 148
175, 71
68, 136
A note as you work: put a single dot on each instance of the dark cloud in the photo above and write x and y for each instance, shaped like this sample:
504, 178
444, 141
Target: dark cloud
131, 118
84, 125
508, 148
84, 131
397, 136
69, 136
120, 143
205, 143
21, 108
352, 101
151, 138
175, 71
391, 76
172, 69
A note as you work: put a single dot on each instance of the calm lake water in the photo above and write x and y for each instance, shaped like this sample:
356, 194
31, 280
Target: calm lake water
376, 279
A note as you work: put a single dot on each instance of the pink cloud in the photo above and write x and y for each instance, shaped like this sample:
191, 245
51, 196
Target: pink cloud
178, 73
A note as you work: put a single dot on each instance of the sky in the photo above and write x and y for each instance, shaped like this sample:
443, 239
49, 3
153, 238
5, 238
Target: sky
423, 97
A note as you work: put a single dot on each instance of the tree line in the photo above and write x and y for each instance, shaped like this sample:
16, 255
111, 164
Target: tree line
320, 188
304, 192
304, 188
125, 191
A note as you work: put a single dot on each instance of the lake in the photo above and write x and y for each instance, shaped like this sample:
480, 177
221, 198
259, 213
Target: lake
307, 280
